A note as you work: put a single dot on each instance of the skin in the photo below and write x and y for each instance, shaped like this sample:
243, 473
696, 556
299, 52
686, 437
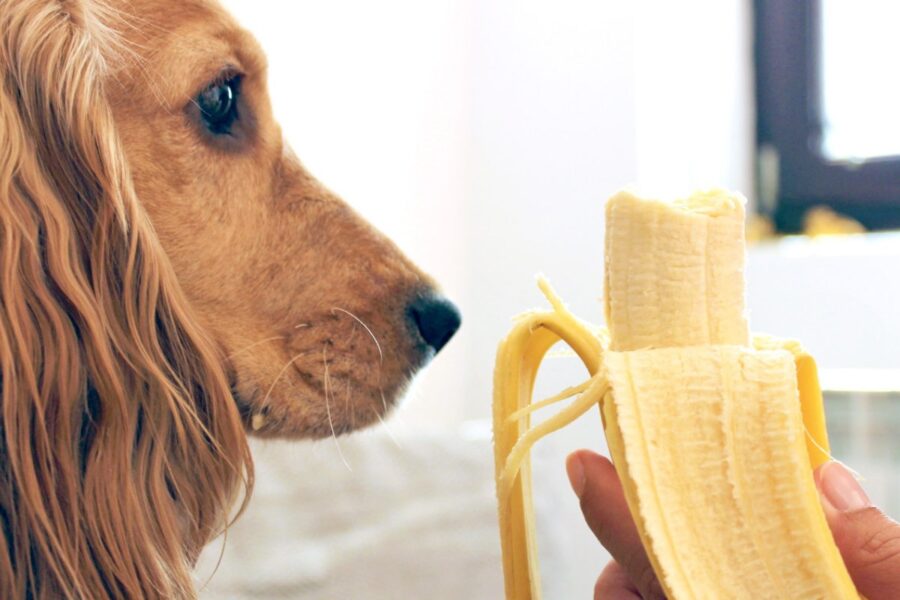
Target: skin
869, 541
305, 299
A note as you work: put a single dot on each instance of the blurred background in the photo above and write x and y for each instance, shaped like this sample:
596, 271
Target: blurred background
484, 137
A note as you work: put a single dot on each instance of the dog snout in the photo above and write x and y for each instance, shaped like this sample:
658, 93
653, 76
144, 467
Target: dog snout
435, 319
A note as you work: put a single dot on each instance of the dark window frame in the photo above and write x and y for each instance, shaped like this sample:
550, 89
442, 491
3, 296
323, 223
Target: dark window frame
794, 175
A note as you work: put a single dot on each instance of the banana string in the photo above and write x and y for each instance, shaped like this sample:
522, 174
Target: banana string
592, 396
535, 406
588, 345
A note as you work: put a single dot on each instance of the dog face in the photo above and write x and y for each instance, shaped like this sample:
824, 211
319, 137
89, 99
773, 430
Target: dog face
163, 254
321, 319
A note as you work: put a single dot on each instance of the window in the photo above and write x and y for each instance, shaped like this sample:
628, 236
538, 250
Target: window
828, 109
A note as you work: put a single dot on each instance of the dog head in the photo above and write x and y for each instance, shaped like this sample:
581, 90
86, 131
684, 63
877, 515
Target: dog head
322, 319
170, 277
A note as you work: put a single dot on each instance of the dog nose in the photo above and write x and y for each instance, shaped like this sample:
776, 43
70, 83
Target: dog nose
436, 318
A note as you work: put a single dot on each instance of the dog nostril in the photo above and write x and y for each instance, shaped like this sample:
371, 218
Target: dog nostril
436, 318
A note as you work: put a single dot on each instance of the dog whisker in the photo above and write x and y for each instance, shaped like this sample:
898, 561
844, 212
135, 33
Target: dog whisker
349, 407
383, 399
153, 86
366, 327
280, 373
368, 330
388, 430
328, 410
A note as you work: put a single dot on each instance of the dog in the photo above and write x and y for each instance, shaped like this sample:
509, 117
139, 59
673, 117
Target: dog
171, 279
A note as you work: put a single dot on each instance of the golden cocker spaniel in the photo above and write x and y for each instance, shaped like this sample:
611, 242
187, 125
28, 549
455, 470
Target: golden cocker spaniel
170, 279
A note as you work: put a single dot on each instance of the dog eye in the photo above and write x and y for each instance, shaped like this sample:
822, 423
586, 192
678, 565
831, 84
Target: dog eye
218, 105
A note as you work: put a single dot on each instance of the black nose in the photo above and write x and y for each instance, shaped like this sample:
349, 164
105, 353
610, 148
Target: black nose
436, 319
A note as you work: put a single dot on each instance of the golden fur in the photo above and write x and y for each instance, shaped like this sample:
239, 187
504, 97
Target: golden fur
162, 290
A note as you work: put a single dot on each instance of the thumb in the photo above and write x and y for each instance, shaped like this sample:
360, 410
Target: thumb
869, 541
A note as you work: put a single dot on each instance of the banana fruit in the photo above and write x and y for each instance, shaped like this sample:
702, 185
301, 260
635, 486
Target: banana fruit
713, 432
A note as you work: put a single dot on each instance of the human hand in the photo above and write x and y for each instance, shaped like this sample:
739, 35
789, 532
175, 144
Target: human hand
869, 541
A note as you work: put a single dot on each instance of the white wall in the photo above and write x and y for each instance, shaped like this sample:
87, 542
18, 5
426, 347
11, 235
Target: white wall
484, 138
694, 97
374, 98
552, 134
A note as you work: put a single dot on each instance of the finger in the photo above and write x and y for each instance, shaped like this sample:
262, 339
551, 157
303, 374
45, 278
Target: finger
868, 540
597, 485
614, 584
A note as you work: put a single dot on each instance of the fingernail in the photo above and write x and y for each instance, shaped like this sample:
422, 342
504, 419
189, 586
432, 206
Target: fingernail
575, 471
841, 488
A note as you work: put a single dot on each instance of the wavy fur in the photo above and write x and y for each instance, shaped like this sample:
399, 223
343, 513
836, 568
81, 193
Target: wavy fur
121, 449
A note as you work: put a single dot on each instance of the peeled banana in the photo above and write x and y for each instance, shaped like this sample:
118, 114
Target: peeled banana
713, 432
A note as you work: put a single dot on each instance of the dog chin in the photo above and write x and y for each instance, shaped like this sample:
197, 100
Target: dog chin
305, 417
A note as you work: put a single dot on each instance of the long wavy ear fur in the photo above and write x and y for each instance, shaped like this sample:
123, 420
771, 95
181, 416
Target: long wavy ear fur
121, 450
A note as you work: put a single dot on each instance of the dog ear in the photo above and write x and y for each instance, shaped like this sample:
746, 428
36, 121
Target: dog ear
121, 449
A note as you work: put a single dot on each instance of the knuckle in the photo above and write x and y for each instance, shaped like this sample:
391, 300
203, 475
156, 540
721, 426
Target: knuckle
880, 545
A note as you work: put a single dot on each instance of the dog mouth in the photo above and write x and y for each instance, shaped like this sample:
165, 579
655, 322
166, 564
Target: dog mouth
334, 411
339, 372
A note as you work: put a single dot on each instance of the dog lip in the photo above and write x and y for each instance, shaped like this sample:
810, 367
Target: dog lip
244, 405
422, 352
